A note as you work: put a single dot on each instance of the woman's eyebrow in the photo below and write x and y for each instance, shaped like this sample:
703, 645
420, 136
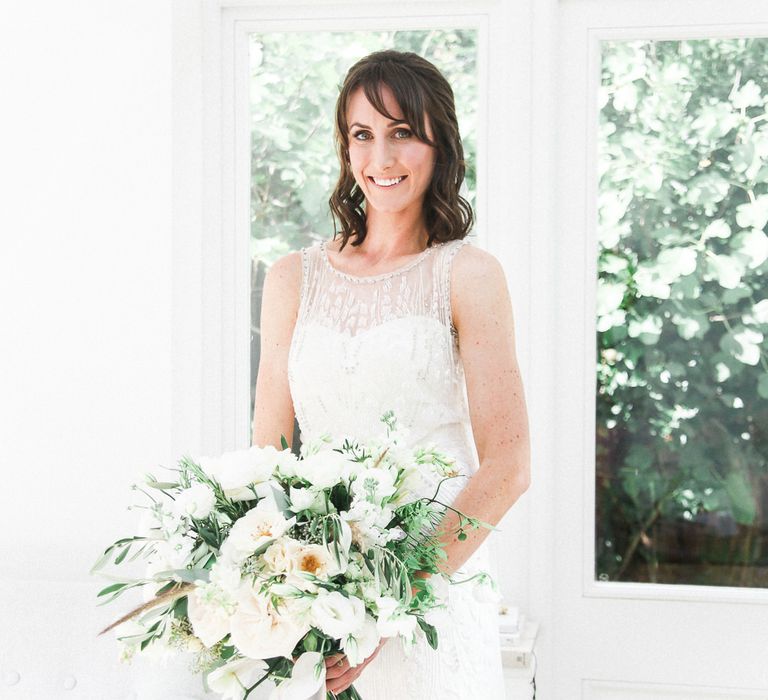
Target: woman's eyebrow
365, 126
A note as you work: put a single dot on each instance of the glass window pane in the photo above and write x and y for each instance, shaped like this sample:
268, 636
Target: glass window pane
295, 81
682, 313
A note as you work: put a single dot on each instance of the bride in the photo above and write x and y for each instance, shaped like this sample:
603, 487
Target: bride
402, 313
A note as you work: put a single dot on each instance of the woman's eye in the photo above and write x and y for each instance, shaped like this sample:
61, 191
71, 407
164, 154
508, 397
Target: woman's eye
406, 134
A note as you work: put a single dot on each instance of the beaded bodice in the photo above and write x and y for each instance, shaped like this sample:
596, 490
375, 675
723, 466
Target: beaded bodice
365, 345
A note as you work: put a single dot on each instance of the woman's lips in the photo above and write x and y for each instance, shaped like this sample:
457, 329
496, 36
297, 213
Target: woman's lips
387, 187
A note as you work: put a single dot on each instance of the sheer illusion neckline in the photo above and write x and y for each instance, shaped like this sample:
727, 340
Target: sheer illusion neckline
384, 275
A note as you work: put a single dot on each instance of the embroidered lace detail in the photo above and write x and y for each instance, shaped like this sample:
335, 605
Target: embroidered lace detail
374, 278
365, 345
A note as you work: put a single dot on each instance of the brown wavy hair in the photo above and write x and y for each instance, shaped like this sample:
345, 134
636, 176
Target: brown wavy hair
419, 88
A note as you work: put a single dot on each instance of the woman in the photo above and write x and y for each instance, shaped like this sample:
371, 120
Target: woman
408, 317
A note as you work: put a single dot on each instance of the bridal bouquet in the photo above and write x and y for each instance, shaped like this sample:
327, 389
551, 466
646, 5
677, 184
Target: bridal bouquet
262, 563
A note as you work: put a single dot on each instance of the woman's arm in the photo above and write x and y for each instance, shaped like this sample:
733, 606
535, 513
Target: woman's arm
482, 314
273, 413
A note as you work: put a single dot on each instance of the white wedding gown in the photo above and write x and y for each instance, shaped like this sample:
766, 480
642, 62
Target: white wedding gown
365, 345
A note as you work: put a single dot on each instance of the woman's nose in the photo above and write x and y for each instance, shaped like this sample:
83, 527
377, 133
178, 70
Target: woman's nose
383, 154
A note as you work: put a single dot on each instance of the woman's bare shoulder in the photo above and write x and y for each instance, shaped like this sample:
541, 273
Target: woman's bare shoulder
472, 263
283, 280
478, 283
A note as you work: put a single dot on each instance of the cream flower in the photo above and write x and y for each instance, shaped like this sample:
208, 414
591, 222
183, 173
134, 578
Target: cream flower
359, 644
238, 469
231, 679
307, 679
195, 502
337, 615
323, 469
393, 619
209, 609
256, 528
280, 557
312, 560
367, 522
259, 631
303, 499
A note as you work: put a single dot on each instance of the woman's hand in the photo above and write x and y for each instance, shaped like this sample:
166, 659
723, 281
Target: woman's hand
339, 675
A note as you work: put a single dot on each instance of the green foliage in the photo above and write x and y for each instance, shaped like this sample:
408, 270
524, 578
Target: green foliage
682, 372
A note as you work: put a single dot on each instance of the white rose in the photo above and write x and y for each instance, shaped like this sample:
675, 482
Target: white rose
312, 560
237, 469
323, 469
280, 556
362, 642
209, 609
257, 527
231, 679
374, 484
259, 631
337, 615
393, 620
195, 502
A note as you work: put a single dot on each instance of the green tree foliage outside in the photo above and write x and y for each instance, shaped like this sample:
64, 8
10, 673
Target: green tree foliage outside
682, 313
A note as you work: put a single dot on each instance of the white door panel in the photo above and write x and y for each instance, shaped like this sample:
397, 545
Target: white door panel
625, 640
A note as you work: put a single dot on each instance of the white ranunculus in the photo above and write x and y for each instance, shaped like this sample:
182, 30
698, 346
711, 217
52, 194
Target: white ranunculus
362, 642
323, 469
286, 463
256, 528
302, 499
307, 679
393, 619
259, 631
195, 502
375, 484
209, 609
337, 615
237, 469
231, 679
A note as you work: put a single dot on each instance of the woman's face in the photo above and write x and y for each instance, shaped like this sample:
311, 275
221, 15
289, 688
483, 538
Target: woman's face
380, 152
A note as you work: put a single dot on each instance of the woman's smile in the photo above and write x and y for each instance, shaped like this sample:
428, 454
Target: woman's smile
387, 183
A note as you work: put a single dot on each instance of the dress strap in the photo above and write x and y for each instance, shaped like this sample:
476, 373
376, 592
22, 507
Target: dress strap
443, 276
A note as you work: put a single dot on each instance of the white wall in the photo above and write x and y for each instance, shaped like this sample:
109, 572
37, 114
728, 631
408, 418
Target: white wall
85, 288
